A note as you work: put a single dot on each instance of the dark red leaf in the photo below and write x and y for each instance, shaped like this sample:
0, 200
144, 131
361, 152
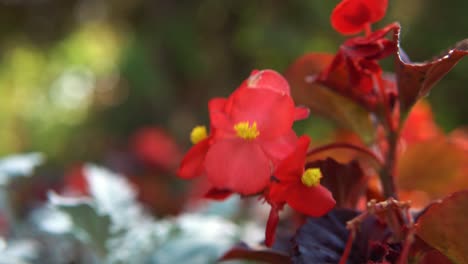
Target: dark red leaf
434, 257
443, 226
415, 80
243, 251
354, 72
347, 182
323, 240
422, 253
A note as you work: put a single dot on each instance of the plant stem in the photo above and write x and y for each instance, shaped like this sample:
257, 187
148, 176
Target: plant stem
388, 170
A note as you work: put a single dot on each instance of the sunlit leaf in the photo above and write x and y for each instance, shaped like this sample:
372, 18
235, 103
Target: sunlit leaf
113, 195
18, 165
112, 222
196, 239
434, 167
18, 251
324, 101
443, 226
415, 80
86, 223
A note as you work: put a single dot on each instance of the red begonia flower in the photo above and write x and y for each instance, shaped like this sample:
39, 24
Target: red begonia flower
273, 81
299, 187
75, 182
352, 16
251, 131
192, 164
156, 148
252, 135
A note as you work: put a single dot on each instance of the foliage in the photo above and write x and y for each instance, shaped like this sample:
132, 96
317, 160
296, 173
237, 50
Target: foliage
371, 193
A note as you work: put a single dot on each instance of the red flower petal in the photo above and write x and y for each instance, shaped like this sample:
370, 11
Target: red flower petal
312, 201
268, 79
278, 148
192, 164
351, 16
273, 113
237, 165
156, 147
217, 194
292, 167
278, 192
217, 104
301, 112
221, 125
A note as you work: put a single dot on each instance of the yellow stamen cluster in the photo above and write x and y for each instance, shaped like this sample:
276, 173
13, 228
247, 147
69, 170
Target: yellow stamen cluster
198, 134
246, 131
311, 177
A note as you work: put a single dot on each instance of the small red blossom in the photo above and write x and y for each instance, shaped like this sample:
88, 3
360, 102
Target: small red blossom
297, 186
156, 148
192, 164
251, 131
352, 16
354, 70
75, 182
300, 187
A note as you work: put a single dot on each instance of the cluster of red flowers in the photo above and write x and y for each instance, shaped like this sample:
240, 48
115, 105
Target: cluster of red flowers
251, 148
357, 59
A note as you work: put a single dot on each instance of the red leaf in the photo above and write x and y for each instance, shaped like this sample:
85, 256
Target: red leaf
323, 100
443, 226
347, 182
433, 168
415, 80
242, 251
434, 257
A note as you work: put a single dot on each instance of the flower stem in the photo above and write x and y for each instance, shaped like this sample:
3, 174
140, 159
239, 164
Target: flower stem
349, 245
343, 145
388, 170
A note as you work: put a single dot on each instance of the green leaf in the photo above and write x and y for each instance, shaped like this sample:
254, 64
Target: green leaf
18, 165
87, 224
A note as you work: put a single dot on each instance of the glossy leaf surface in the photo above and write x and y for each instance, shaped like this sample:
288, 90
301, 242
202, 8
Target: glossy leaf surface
415, 80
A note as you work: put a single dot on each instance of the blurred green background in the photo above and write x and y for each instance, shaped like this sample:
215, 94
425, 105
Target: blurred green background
78, 77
